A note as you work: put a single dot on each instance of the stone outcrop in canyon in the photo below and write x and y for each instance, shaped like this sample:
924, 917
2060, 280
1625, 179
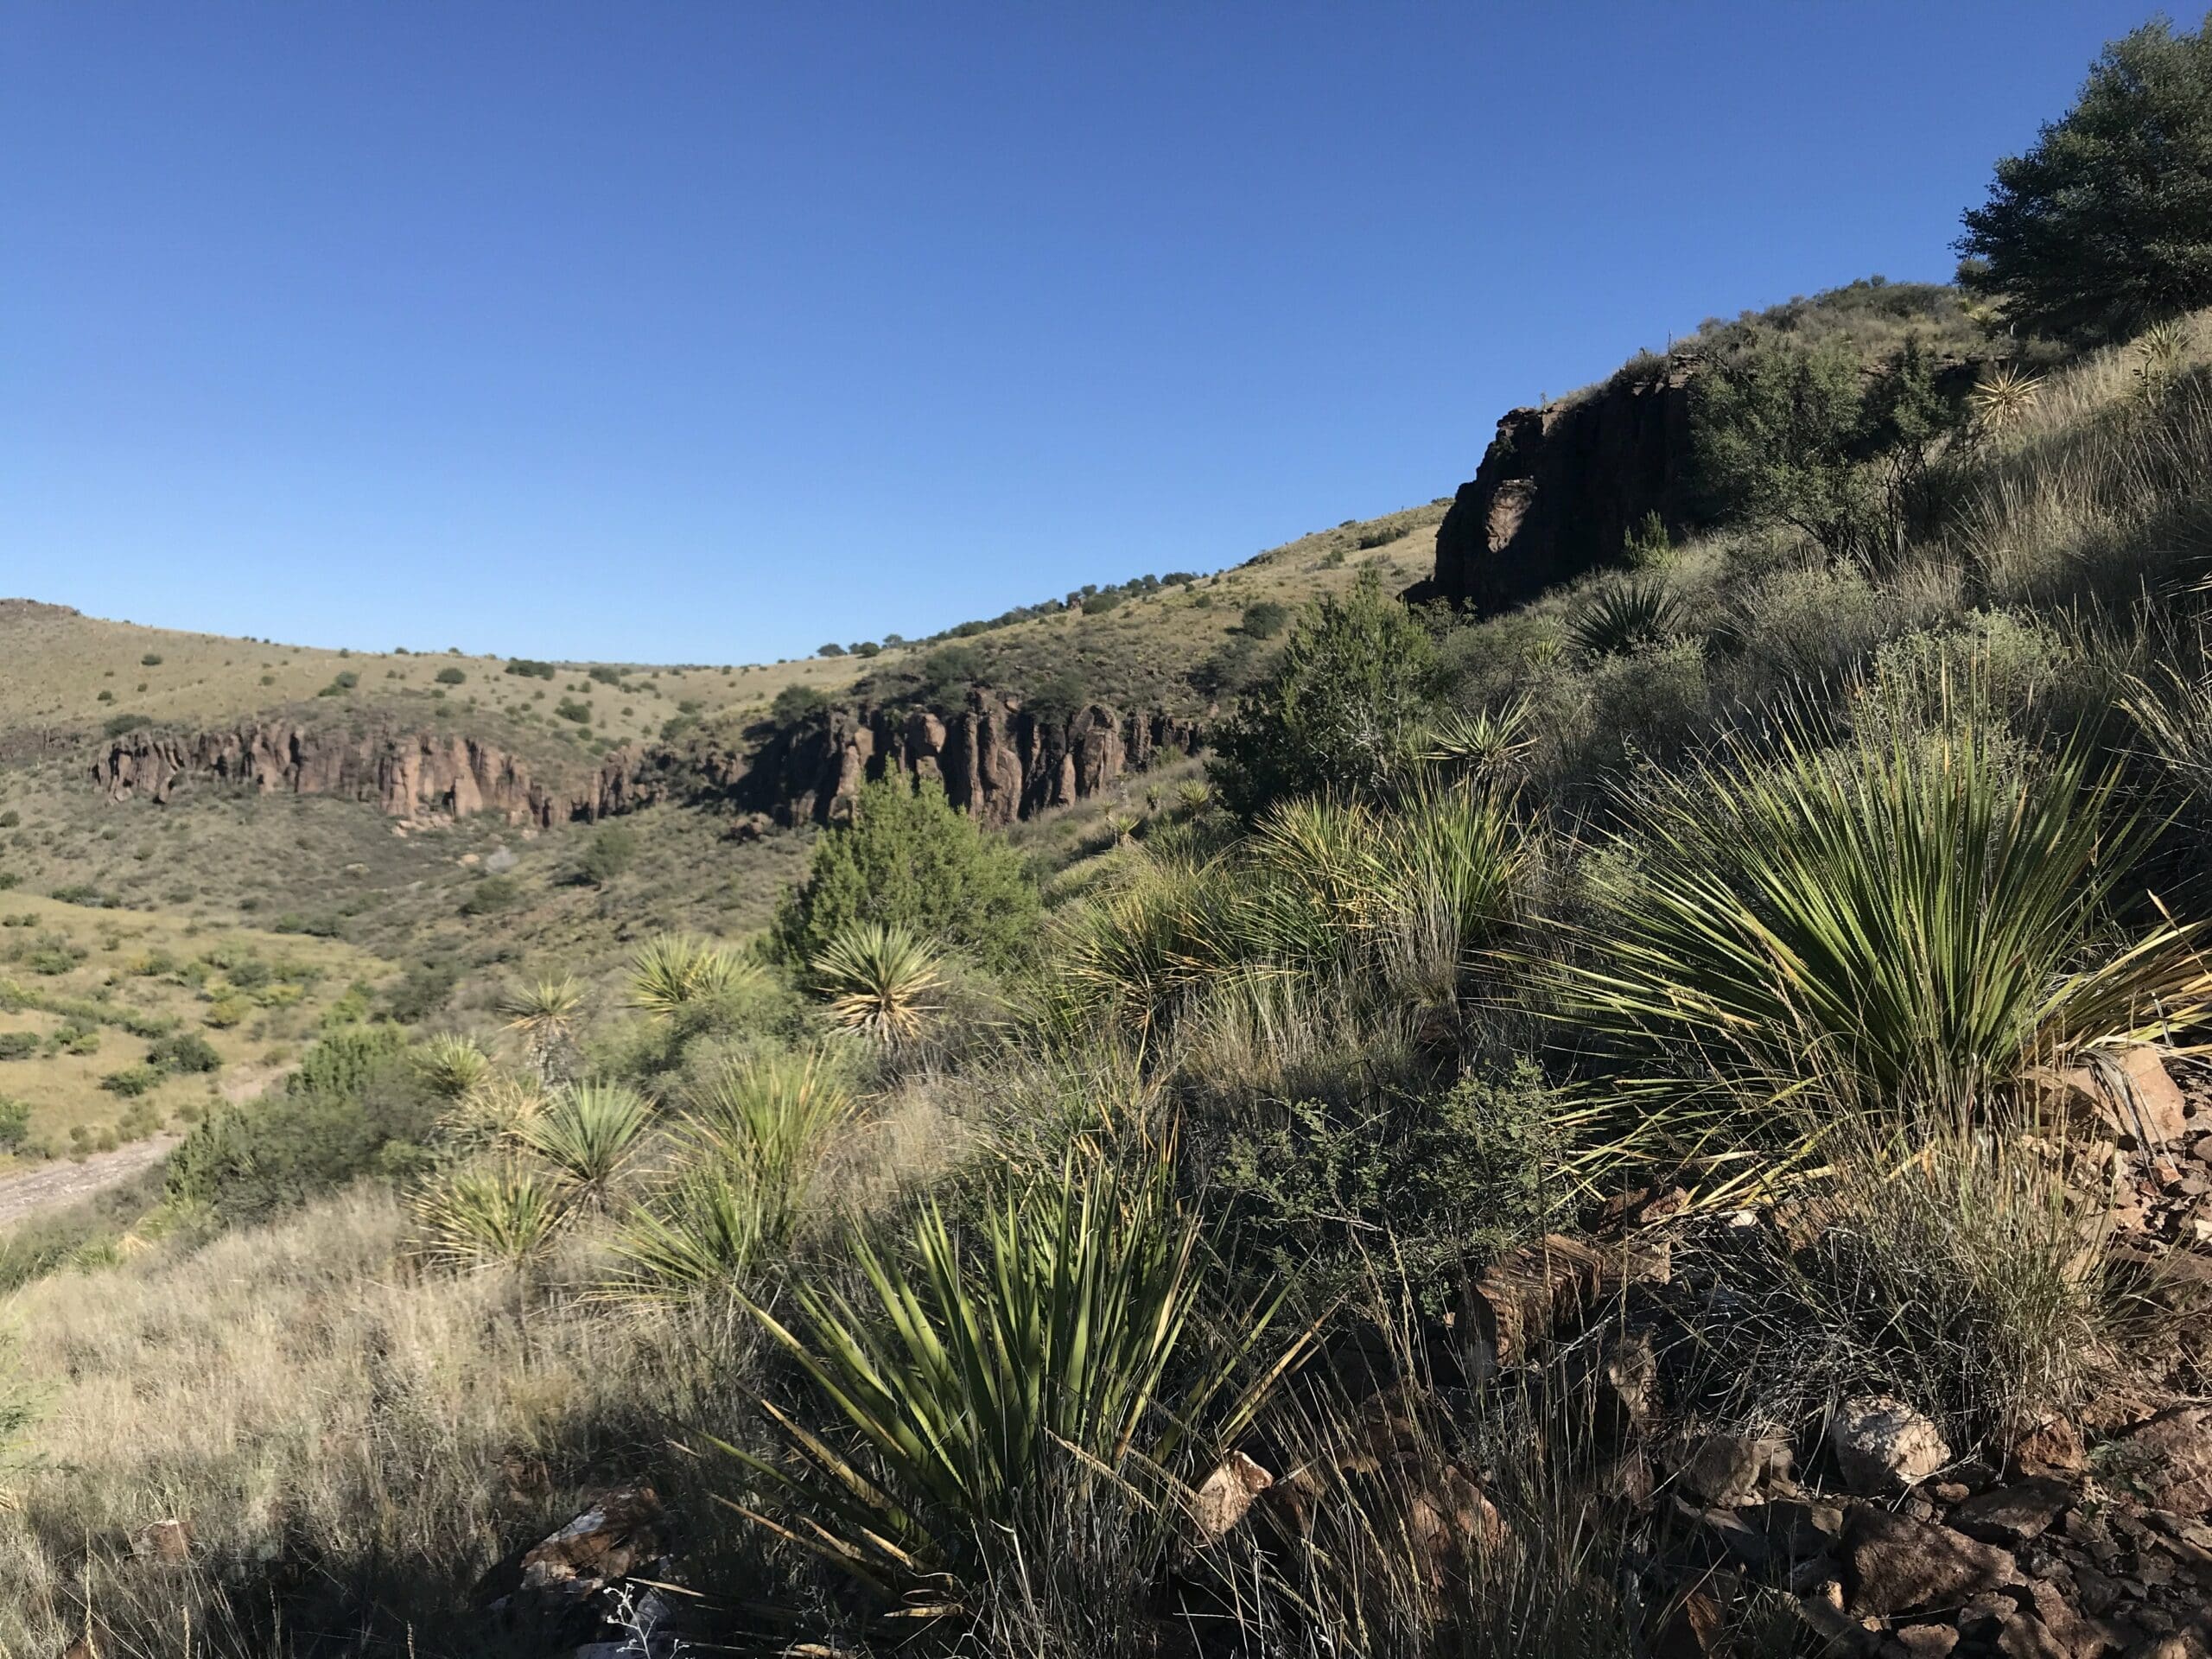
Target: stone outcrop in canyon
994, 759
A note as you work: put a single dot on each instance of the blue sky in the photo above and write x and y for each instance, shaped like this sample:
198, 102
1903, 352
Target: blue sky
709, 332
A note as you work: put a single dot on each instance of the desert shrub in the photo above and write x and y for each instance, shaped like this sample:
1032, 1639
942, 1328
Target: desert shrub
796, 705
2105, 223
131, 1080
1264, 619
1788, 434
355, 1106
451, 677
151, 659
186, 1051
909, 859
611, 851
1907, 921
570, 709
1342, 708
491, 894
421, 990
14, 1122
767, 1122
18, 1044
116, 725
1100, 604
531, 669
947, 674
604, 675
1424, 1179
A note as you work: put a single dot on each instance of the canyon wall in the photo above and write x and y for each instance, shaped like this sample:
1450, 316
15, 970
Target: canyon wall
994, 759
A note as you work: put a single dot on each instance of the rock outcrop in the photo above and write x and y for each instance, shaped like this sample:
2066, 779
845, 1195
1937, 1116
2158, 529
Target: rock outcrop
1560, 487
994, 759
411, 775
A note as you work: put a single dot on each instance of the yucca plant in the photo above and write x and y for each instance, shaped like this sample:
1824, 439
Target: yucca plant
2002, 399
974, 1396
695, 1238
1489, 740
672, 972
493, 1110
451, 1065
588, 1132
1913, 921
2176, 717
881, 981
770, 1120
501, 1214
1623, 615
547, 1014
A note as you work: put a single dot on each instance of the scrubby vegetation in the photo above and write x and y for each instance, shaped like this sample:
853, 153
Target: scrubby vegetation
1411, 1193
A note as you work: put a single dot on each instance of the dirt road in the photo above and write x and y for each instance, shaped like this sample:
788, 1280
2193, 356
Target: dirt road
62, 1181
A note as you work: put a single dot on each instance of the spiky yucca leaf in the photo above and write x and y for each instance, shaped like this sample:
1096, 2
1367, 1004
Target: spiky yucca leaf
588, 1132
501, 1214
1489, 740
452, 1065
1912, 922
970, 1392
672, 972
546, 1013
696, 1238
2003, 398
1624, 616
770, 1121
880, 981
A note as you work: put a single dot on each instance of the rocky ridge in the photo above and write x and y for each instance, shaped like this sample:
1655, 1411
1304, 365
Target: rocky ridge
994, 759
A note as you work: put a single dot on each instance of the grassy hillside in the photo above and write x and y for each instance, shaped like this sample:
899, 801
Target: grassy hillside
117, 1023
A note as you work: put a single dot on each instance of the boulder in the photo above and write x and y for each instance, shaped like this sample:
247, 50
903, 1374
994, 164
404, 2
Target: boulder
2012, 1515
2168, 1458
2129, 1092
163, 1541
1225, 1497
1883, 1445
1896, 1565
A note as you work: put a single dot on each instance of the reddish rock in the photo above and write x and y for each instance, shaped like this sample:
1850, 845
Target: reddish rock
1894, 1565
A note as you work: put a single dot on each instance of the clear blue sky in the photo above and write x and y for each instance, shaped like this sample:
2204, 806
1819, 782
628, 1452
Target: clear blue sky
712, 331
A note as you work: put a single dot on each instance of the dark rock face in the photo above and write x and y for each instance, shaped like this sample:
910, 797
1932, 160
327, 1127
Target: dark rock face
408, 774
1559, 489
994, 760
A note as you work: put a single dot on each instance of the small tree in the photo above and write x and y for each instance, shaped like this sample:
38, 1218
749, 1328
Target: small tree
909, 859
1342, 708
2106, 224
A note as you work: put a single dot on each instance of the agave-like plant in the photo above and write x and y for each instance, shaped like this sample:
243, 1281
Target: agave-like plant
1899, 924
453, 1067
770, 1120
972, 1390
2003, 397
880, 981
588, 1132
696, 1237
478, 1216
1623, 615
1490, 741
546, 1013
673, 972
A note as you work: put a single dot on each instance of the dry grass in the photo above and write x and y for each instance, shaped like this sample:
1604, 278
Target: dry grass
325, 1417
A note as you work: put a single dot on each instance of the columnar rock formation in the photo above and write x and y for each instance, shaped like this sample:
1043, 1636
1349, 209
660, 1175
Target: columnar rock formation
994, 759
407, 774
1560, 488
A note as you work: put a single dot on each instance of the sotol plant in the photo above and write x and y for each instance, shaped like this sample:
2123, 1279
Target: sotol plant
880, 982
588, 1132
502, 1214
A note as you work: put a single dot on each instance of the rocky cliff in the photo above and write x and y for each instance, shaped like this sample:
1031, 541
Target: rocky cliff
411, 775
1560, 487
994, 759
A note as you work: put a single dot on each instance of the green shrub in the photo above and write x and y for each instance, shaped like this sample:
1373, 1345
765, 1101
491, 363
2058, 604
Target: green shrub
14, 1123
450, 675
611, 851
491, 895
2106, 224
569, 709
131, 1081
1265, 619
529, 669
116, 725
798, 705
18, 1044
151, 659
186, 1051
354, 1107
603, 675
1342, 708
908, 859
